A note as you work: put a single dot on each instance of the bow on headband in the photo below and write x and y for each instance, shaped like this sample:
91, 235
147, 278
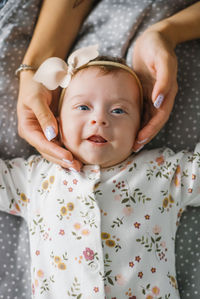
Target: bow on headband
55, 72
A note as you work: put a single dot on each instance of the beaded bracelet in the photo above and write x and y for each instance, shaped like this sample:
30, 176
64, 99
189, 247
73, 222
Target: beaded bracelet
24, 67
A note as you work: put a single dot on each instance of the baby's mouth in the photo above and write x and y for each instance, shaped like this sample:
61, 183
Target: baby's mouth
97, 139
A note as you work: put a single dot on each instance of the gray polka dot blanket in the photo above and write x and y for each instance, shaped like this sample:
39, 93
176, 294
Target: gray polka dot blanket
114, 25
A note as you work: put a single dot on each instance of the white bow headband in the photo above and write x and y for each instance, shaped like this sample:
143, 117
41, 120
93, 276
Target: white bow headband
55, 72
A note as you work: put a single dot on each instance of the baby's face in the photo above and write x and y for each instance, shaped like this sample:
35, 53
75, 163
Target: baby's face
100, 116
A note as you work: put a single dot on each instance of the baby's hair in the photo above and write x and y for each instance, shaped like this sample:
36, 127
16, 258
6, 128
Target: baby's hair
107, 69
107, 65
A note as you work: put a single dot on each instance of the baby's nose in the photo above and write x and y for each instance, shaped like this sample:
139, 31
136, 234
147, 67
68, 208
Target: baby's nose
99, 122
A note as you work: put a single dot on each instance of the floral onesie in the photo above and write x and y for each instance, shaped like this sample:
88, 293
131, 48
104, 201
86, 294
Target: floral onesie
103, 233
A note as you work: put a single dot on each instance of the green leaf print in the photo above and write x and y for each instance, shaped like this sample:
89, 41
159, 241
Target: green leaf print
138, 196
110, 281
195, 156
150, 243
75, 289
161, 168
117, 222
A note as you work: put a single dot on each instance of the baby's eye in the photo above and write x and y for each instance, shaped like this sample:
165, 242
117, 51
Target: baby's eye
118, 111
83, 107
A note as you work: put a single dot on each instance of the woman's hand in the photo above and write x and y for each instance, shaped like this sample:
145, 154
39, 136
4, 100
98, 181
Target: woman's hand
35, 119
155, 63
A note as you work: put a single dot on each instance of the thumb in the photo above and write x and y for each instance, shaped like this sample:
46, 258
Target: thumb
45, 118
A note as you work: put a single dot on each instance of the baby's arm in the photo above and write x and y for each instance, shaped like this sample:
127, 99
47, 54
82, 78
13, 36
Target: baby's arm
186, 180
14, 186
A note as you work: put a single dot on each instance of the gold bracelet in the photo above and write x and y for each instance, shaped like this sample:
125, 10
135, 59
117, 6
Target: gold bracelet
24, 67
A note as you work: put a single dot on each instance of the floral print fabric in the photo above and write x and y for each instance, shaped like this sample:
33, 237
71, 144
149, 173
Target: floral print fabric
103, 233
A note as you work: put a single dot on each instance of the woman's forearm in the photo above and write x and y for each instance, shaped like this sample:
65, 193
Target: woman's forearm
181, 27
57, 27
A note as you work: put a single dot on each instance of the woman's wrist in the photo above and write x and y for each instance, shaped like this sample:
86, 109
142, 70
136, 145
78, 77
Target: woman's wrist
181, 27
167, 30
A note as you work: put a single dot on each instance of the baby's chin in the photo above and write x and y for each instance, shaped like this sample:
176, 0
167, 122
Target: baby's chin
103, 163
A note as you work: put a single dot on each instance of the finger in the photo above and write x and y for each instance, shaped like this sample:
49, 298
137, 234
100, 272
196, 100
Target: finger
149, 131
166, 73
74, 166
37, 140
45, 118
155, 124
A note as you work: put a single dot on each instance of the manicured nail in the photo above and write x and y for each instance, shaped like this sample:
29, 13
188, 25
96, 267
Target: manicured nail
67, 161
158, 101
139, 148
142, 141
74, 170
50, 133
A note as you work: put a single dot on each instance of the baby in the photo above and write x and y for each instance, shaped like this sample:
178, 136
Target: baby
109, 230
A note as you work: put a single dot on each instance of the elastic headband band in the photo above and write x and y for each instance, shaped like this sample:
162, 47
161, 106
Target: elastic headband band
108, 63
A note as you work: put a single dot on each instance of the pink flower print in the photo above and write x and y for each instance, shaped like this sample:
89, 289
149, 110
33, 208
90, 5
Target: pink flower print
149, 296
117, 197
120, 279
163, 244
137, 225
127, 211
131, 264
65, 182
153, 270
62, 232
107, 289
70, 189
77, 226
88, 254
189, 190
85, 232
137, 258
46, 236
156, 291
13, 212
156, 229
160, 160
40, 273
75, 181
95, 170
147, 217
193, 176
33, 289
96, 289
140, 275
37, 252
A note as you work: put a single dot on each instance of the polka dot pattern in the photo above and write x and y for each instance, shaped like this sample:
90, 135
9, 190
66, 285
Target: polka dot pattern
17, 19
114, 25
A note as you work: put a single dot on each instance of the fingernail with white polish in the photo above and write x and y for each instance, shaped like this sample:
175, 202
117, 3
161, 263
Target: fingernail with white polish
50, 133
72, 169
142, 141
158, 101
139, 149
67, 161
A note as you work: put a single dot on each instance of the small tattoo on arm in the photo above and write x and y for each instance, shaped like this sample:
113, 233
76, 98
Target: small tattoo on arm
77, 3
